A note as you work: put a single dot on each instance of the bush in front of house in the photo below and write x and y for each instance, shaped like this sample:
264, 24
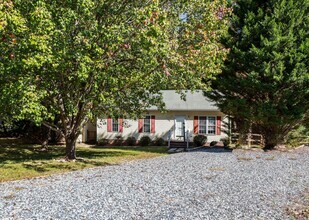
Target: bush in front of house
225, 141
131, 141
213, 143
199, 140
144, 141
160, 142
118, 141
102, 142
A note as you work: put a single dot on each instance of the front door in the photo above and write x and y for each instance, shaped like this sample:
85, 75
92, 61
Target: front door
179, 126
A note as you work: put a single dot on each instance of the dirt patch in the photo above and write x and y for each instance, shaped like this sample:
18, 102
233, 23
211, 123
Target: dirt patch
244, 158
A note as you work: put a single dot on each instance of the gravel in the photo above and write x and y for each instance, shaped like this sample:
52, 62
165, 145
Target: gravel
203, 184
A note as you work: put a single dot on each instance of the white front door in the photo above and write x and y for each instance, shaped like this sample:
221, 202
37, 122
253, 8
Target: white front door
179, 126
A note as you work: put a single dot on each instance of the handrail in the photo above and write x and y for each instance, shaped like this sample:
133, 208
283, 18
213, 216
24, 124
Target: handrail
169, 137
188, 138
250, 138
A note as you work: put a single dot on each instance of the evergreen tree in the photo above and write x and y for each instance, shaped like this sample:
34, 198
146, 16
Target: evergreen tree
265, 81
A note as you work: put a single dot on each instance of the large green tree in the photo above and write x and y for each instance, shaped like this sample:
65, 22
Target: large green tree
83, 59
265, 81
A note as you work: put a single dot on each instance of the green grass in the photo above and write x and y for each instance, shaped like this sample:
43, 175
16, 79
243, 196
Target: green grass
18, 161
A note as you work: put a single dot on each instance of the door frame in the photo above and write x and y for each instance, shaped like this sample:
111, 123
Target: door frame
184, 120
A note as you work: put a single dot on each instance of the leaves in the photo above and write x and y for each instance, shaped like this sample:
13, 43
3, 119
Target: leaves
89, 58
265, 80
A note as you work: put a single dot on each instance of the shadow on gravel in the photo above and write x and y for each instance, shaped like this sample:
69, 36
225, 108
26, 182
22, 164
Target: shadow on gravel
213, 150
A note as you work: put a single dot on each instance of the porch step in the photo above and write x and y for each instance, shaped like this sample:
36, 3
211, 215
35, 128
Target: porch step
175, 150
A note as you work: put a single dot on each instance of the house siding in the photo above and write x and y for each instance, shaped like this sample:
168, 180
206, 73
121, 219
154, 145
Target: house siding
164, 122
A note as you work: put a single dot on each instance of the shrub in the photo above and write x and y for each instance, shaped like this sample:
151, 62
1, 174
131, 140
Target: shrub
213, 143
102, 142
131, 141
118, 141
298, 137
199, 140
160, 142
144, 141
225, 141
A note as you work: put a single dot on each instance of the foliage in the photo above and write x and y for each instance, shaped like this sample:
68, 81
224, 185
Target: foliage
86, 59
145, 141
131, 141
118, 141
265, 81
213, 143
160, 142
103, 142
199, 140
298, 136
225, 141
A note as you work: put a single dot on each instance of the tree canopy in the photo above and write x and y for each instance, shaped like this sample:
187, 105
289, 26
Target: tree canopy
265, 80
83, 59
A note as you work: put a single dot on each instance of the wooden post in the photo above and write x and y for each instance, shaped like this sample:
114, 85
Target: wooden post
184, 131
250, 135
229, 130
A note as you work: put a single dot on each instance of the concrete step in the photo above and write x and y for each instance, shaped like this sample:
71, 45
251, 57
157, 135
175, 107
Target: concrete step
175, 150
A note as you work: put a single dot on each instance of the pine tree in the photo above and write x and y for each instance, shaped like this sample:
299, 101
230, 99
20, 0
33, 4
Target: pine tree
265, 81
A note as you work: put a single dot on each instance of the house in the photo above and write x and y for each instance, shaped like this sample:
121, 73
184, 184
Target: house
190, 117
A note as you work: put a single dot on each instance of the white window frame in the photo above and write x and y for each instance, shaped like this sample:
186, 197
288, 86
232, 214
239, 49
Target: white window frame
207, 121
209, 125
115, 120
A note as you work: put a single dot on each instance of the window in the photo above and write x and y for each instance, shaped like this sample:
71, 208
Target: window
115, 125
211, 127
147, 124
207, 125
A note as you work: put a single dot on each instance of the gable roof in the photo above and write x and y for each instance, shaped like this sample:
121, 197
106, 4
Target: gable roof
195, 101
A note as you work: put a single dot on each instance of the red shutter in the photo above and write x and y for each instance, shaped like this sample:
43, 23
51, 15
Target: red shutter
195, 125
120, 124
153, 124
140, 125
218, 125
109, 125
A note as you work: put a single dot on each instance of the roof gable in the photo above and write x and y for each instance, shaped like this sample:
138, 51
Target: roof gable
195, 101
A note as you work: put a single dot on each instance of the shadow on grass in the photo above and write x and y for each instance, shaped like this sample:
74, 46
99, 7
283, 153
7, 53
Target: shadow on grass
147, 149
30, 153
41, 168
92, 154
10, 141
24, 160
19, 161
22, 153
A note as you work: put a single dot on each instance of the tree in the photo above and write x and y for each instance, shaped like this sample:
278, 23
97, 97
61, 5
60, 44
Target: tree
83, 59
265, 80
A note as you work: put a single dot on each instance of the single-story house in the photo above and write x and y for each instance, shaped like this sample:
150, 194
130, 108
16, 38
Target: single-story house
190, 117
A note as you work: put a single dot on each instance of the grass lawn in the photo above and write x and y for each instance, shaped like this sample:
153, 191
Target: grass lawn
18, 161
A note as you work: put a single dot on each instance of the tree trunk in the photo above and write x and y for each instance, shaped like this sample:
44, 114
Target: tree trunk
46, 137
272, 138
70, 144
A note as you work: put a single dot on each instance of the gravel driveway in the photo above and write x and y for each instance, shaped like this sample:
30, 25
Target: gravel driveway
204, 184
